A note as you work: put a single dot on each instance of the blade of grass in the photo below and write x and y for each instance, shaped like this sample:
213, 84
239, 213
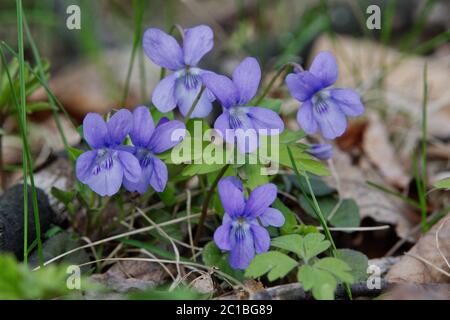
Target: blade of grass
318, 212
138, 6
22, 115
423, 180
38, 61
42, 82
388, 18
23, 120
27, 167
394, 193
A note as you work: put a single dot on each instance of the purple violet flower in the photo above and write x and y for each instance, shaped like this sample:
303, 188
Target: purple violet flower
104, 168
321, 151
323, 108
183, 85
238, 121
149, 141
243, 229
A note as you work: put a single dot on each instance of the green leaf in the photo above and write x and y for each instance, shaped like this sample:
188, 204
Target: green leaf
290, 242
314, 244
254, 178
290, 222
303, 160
272, 104
74, 153
319, 187
443, 184
305, 247
157, 115
346, 215
168, 196
337, 267
357, 261
322, 283
194, 169
213, 257
275, 263
289, 136
65, 197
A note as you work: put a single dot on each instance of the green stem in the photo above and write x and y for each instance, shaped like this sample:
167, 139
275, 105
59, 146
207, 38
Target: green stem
194, 104
422, 195
27, 165
138, 13
394, 193
22, 114
280, 71
318, 212
2, 172
205, 206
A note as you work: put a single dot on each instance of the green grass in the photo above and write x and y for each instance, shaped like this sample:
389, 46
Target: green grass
27, 166
139, 6
423, 178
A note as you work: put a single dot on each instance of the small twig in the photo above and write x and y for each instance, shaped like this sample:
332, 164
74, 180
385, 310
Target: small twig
188, 213
360, 229
164, 234
118, 236
437, 242
428, 263
187, 263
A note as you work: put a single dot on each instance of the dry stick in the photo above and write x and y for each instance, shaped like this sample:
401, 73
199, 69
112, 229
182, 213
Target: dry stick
428, 263
188, 213
164, 234
414, 230
118, 236
151, 255
187, 263
206, 204
437, 242
360, 229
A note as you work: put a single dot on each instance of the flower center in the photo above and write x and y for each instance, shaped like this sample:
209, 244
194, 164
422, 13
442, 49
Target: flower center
144, 156
240, 227
104, 161
190, 77
238, 118
320, 102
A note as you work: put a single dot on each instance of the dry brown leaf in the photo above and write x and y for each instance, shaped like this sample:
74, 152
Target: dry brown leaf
203, 283
381, 153
428, 291
412, 270
372, 203
126, 276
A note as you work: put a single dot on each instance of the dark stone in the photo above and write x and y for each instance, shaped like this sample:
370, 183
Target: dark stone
11, 219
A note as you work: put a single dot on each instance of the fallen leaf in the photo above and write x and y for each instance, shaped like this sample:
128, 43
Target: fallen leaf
381, 153
412, 270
